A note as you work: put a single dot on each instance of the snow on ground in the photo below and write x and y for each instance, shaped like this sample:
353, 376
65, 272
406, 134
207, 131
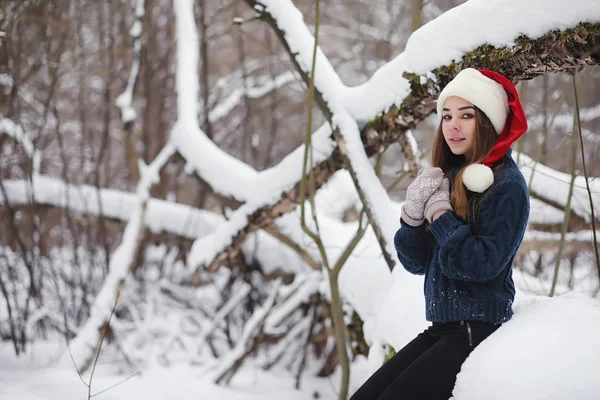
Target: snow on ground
31, 378
550, 350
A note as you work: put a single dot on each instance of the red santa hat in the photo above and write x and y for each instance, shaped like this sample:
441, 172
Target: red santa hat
497, 97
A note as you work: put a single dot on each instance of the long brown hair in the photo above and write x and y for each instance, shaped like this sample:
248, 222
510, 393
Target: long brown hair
485, 137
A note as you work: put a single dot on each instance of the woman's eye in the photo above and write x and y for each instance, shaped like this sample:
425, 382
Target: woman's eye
468, 115
447, 117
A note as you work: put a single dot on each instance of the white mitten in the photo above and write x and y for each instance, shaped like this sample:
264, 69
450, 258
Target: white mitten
438, 201
425, 184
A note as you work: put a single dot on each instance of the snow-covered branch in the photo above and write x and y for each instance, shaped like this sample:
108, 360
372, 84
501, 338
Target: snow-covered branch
202, 155
580, 236
225, 174
552, 187
299, 42
161, 215
231, 360
239, 295
303, 287
124, 100
374, 196
85, 345
273, 195
288, 343
330, 95
15, 131
564, 122
189, 222
235, 98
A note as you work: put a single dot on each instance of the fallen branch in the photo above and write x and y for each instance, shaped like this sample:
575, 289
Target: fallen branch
239, 295
245, 344
285, 343
301, 295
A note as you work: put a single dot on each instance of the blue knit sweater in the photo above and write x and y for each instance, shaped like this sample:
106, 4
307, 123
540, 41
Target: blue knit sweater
468, 266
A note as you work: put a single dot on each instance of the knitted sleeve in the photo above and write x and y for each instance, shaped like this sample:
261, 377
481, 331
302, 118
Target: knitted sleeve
414, 246
480, 256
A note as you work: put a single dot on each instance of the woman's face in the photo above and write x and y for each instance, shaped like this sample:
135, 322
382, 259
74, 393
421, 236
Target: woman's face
458, 125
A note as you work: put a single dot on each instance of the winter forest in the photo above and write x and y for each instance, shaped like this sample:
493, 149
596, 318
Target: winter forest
198, 198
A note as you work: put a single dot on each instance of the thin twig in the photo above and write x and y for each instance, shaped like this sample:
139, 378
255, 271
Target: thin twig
75, 365
112, 312
585, 175
567, 208
288, 241
116, 384
306, 344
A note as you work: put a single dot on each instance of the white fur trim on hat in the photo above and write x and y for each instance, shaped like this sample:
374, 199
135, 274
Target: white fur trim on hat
478, 177
485, 93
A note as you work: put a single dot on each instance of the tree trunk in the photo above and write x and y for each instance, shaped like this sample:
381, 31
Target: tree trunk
417, 14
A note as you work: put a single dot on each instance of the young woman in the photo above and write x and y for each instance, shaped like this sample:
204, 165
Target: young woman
461, 226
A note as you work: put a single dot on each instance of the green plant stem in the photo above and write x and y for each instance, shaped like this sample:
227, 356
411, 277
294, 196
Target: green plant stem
585, 175
567, 208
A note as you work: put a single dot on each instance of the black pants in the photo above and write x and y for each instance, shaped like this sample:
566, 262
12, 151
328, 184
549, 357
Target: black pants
426, 368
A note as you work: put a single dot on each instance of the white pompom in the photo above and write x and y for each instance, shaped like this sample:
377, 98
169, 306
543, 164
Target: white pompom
478, 178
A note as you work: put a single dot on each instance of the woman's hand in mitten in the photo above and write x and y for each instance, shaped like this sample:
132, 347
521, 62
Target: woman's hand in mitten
425, 184
439, 201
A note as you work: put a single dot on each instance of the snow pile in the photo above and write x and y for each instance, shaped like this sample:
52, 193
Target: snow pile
549, 350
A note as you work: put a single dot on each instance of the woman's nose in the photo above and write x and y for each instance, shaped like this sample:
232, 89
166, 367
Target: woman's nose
454, 124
